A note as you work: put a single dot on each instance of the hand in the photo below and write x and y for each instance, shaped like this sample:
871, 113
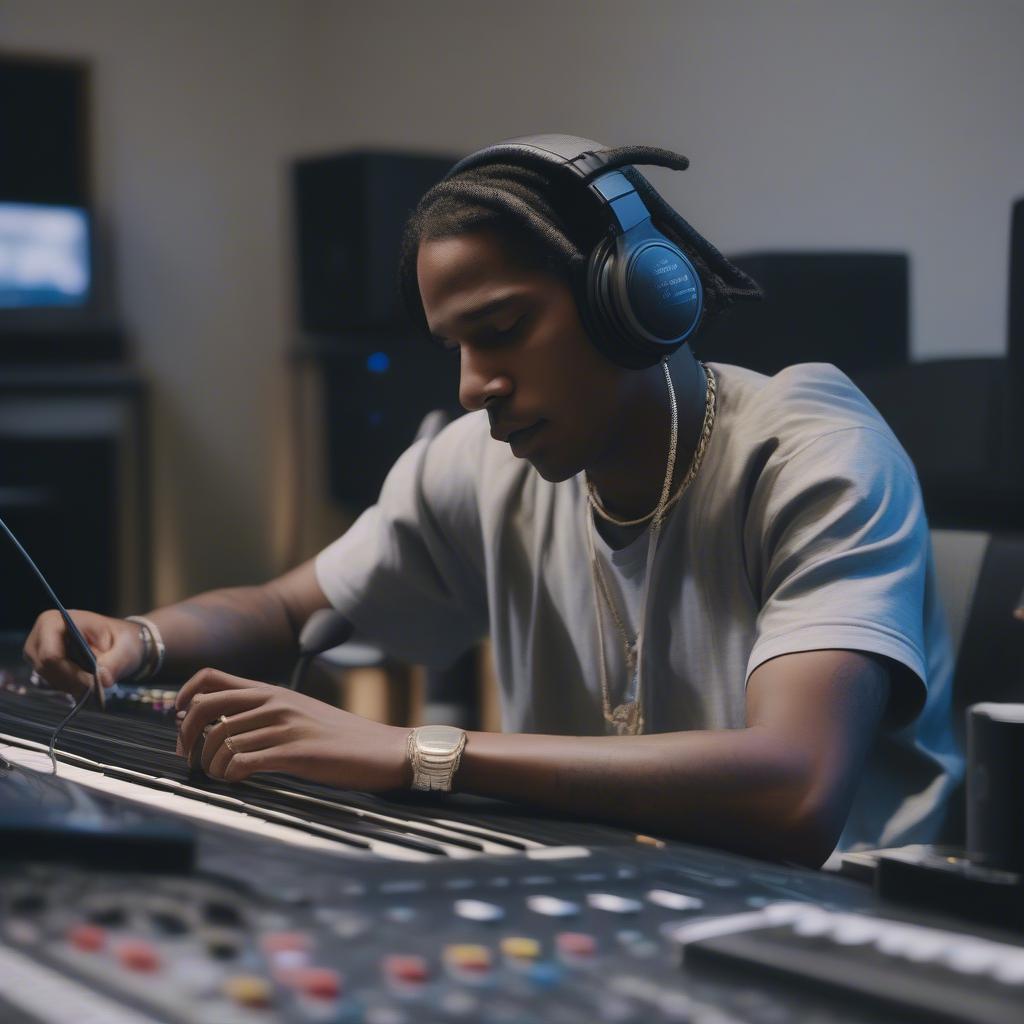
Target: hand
115, 642
274, 729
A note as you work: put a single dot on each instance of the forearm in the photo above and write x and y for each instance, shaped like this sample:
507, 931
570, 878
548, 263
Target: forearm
743, 789
242, 630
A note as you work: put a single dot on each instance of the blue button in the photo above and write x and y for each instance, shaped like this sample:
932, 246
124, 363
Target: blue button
545, 975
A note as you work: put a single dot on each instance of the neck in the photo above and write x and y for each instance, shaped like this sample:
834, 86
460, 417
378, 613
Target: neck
630, 476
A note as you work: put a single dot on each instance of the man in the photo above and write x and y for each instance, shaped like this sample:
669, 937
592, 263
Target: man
710, 593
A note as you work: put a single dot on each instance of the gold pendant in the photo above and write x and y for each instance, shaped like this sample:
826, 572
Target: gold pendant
625, 719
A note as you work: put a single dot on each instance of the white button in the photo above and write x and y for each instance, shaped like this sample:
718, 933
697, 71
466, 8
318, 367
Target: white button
855, 931
1010, 970
922, 946
970, 957
612, 904
674, 900
893, 941
812, 924
478, 910
552, 906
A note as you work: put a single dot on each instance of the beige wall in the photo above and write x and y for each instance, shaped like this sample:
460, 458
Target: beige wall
192, 111
809, 124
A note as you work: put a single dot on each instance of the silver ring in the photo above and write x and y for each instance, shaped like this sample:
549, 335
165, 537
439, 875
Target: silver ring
36, 679
230, 745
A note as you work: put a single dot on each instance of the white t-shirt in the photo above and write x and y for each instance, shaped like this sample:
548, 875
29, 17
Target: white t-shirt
804, 530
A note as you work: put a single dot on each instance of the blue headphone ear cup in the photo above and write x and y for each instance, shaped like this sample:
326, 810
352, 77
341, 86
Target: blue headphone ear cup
599, 318
660, 293
608, 327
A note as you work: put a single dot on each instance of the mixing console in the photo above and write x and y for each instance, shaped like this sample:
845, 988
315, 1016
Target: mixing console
307, 904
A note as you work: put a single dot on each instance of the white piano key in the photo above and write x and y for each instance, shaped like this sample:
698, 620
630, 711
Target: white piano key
170, 795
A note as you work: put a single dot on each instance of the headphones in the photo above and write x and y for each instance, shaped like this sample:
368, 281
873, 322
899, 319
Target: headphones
642, 297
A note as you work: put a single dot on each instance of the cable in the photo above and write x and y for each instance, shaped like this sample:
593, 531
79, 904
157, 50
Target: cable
79, 646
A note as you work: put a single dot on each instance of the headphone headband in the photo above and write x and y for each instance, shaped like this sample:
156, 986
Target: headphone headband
642, 297
574, 155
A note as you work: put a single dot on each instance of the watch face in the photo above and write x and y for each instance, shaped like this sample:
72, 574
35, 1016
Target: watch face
438, 739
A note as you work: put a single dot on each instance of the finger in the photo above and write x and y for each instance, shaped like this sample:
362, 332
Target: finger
277, 758
246, 721
234, 726
51, 661
206, 708
245, 743
122, 655
210, 680
30, 652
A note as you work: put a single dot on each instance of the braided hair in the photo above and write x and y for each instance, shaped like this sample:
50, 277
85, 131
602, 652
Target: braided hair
551, 223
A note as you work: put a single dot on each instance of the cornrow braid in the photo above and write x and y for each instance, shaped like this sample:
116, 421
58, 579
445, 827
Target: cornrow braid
552, 223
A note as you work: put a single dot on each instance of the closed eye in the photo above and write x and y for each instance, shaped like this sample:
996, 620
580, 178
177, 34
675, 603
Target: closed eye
504, 334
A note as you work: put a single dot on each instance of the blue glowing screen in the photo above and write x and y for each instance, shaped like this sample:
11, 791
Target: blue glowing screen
44, 256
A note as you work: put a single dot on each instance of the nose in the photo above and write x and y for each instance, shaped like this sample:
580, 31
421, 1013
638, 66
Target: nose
481, 379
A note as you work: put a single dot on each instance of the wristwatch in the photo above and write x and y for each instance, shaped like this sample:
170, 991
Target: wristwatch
434, 753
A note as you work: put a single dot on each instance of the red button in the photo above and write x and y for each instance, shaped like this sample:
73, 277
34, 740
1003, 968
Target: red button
576, 944
285, 942
89, 938
138, 956
315, 982
406, 969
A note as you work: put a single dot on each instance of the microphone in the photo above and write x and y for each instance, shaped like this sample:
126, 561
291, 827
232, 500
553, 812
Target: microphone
324, 629
78, 650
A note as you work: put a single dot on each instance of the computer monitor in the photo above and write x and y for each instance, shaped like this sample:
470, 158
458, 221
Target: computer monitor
45, 256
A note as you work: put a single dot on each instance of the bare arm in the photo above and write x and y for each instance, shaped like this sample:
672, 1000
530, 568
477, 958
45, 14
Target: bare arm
244, 629
779, 788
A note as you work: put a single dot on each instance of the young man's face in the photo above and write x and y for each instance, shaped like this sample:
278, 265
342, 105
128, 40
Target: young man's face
524, 355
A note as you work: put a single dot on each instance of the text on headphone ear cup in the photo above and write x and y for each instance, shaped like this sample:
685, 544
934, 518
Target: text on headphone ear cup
662, 290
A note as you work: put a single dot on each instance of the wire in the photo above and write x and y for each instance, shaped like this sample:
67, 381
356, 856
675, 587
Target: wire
86, 658
51, 749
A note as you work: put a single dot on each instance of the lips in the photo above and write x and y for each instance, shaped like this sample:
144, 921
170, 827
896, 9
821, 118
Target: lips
507, 433
519, 440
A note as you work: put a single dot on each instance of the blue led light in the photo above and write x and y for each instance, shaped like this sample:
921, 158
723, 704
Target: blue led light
378, 362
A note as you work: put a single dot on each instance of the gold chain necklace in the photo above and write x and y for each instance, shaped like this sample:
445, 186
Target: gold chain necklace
710, 395
627, 718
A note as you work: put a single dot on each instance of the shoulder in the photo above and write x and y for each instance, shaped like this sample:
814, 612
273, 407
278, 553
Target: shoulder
804, 410
799, 401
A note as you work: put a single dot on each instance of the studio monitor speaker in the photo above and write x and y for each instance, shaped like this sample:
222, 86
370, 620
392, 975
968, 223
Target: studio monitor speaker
350, 211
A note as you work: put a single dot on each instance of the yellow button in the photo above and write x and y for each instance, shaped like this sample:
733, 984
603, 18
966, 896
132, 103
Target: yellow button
521, 948
248, 990
468, 957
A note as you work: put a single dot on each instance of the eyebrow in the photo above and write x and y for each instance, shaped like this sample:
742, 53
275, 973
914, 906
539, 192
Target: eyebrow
481, 311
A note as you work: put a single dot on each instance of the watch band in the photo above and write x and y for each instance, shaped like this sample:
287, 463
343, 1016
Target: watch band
435, 752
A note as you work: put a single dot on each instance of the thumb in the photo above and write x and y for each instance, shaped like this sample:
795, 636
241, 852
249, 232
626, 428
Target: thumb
121, 661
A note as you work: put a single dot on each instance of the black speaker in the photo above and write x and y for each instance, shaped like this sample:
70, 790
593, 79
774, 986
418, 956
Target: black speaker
350, 210
1015, 347
59, 497
847, 308
375, 400
44, 129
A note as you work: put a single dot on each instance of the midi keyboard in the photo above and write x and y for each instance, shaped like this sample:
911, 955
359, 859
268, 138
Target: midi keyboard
145, 893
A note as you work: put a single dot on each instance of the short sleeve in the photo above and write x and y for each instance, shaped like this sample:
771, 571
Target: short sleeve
843, 542
408, 573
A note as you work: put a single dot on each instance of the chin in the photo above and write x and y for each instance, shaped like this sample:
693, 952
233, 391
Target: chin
554, 472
